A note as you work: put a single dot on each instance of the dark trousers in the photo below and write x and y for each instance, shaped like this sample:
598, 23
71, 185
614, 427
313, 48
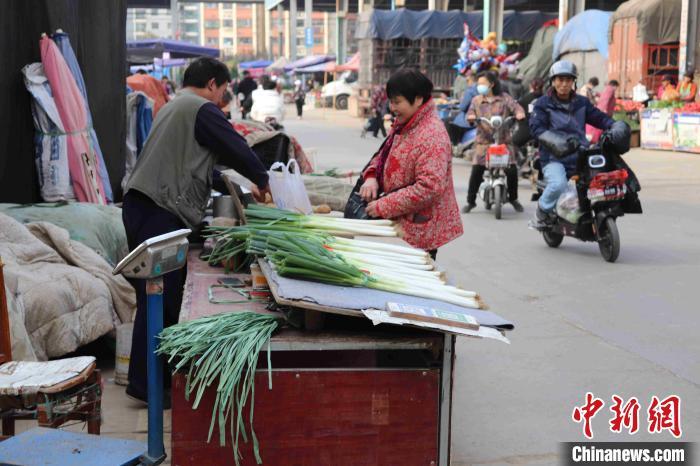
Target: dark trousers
477, 177
455, 132
300, 106
377, 125
144, 219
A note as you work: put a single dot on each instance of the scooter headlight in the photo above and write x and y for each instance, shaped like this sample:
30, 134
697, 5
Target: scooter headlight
596, 161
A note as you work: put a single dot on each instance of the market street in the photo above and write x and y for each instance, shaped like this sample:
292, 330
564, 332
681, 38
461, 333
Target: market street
582, 324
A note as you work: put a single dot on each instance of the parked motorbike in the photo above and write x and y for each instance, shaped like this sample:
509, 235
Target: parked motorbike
602, 194
493, 190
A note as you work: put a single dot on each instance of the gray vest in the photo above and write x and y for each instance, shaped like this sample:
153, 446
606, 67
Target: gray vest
173, 169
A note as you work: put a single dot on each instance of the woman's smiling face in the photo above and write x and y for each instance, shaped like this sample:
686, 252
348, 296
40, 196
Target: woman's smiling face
403, 109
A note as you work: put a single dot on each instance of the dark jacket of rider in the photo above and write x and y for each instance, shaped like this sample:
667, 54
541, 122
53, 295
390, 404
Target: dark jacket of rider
567, 118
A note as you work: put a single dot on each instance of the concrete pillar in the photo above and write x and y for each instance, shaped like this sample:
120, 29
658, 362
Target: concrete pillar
341, 10
568, 9
689, 38
308, 23
292, 30
493, 18
280, 29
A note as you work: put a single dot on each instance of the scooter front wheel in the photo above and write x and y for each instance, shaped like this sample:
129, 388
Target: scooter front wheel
488, 202
497, 201
609, 240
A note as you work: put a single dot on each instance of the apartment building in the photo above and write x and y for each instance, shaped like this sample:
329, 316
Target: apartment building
148, 23
241, 30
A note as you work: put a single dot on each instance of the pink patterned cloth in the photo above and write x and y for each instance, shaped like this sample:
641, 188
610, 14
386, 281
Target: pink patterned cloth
82, 159
417, 176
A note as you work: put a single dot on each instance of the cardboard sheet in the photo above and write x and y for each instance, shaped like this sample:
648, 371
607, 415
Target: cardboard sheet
359, 299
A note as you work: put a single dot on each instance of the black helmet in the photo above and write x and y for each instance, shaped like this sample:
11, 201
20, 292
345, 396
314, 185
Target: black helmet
563, 68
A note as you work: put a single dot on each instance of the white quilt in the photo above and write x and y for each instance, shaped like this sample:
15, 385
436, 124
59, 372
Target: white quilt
61, 294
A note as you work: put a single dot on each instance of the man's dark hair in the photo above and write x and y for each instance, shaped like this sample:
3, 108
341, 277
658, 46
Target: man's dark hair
493, 79
141, 71
689, 74
593, 81
614, 82
269, 85
246, 73
409, 84
202, 70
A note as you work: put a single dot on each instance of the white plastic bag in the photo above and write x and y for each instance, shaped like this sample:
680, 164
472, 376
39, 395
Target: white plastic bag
288, 189
567, 205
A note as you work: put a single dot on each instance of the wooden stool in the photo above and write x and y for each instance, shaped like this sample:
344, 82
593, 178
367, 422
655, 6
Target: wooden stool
53, 392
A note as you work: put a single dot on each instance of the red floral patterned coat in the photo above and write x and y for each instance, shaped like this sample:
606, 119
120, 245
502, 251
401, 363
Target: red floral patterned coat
418, 179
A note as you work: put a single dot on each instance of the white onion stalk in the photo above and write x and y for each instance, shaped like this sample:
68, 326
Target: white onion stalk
372, 246
425, 283
408, 261
439, 295
381, 262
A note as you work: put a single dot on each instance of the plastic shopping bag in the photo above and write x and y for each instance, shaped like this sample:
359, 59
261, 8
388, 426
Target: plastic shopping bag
287, 187
568, 206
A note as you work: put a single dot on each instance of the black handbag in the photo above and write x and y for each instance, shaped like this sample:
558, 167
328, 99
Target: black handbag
355, 207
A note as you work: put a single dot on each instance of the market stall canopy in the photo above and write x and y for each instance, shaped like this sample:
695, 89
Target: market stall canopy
351, 65
658, 21
327, 67
584, 32
409, 24
145, 51
246, 65
277, 65
309, 61
537, 63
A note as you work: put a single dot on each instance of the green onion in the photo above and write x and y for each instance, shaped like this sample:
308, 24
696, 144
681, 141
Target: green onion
223, 348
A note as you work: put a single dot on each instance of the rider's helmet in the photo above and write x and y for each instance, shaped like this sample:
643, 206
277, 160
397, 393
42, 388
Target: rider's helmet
563, 68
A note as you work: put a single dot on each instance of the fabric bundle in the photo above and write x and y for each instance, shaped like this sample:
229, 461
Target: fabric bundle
69, 160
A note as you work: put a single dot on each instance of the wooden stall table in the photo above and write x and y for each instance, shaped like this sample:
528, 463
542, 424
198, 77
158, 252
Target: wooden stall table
350, 394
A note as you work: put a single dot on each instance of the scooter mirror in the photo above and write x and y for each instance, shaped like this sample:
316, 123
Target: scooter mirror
596, 161
496, 122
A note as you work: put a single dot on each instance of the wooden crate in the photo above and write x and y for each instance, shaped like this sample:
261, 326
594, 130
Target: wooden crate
336, 417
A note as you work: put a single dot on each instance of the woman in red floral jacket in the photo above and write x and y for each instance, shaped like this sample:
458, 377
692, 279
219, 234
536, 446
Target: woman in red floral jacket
409, 180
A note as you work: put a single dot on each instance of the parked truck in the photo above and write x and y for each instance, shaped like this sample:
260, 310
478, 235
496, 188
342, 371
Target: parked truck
644, 43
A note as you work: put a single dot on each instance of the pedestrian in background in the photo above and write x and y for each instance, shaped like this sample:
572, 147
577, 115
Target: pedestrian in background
687, 88
299, 98
588, 89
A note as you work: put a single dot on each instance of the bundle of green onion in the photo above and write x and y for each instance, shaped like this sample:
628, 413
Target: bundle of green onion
222, 350
279, 219
347, 262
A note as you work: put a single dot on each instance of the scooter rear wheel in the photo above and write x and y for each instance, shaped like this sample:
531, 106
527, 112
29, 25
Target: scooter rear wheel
552, 239
609, 240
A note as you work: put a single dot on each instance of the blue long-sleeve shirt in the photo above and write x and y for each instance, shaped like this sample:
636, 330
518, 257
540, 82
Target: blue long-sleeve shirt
461, 118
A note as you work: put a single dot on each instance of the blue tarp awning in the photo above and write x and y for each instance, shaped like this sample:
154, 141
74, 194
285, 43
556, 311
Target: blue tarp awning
584, 32
320, 68
145, 51
410, 24
309, 61
246, 65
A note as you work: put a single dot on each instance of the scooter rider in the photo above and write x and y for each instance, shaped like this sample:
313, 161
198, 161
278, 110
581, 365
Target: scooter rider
559, 118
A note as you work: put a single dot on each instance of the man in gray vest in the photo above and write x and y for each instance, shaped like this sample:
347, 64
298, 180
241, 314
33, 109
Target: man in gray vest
171, 182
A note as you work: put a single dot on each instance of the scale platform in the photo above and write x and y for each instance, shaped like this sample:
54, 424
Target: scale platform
52, 447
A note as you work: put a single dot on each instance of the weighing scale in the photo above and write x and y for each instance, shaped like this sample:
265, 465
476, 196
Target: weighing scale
40, 446
150, 261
